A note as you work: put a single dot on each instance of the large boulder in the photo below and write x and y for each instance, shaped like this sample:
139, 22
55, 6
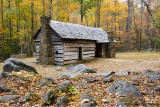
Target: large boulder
108, 80
62, 101
148, 74
28, 97
123, 88
104, 74
122, 73
64, 86
70, 67
82, 68
88, 101
4, 75
83, 84
49, 97
46, 81
57, 68
69, 75
13, 64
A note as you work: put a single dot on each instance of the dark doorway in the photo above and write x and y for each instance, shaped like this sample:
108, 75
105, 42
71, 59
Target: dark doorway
98, 50
80, 53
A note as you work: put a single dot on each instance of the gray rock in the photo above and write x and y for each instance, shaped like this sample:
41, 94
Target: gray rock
83, 84
62, 102
64, 86
92, 102
149, 93
108, 79
49, 97
122, 73
91, 79
121, 104
149, 74
157, 88
13, 64
88, 105
69, 75
123, 88
46, 81
28, 97
154, 76
104, 74
9, 97
70, 67
4, 75
82, 68
57, 68
3, 88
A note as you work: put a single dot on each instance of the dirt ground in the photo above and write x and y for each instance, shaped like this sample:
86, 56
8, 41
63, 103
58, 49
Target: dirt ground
128, 61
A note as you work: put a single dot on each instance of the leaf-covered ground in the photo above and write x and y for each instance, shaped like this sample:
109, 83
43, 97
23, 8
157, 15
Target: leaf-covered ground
97, 89
137, 62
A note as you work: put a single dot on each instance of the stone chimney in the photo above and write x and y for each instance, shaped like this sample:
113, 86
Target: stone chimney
46, 51
111, 46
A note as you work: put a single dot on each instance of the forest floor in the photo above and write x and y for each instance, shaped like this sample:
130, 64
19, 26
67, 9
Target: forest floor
148, 85
126, 61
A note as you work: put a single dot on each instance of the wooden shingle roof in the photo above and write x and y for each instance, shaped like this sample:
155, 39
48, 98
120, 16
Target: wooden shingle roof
76, 31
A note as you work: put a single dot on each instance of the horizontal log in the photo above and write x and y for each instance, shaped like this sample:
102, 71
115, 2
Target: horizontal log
80, 41
59, 51
71, 57
37, 50
57, 43
70, 53
58, 55
88, 52
58, 63
59, 59
37, 57
78, 45
71, 49
88, 49
58, 47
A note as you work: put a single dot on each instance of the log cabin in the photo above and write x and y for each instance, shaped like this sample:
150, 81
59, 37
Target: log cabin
73, 42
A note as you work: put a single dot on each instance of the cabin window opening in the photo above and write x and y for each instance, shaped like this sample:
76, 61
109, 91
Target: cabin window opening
80, 53
56, 52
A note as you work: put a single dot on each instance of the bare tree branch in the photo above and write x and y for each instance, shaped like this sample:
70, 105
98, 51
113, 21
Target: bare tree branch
148, 8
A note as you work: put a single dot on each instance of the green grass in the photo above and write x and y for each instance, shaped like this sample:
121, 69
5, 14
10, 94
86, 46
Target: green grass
138, 55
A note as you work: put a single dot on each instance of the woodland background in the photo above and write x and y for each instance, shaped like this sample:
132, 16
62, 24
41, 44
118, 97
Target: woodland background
135, 23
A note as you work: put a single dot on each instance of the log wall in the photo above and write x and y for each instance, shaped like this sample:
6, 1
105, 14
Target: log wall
58, 48
66, 51
71, 52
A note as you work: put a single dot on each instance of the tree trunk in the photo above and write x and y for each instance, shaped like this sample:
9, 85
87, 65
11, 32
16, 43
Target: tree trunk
140, 39
98, 12
2, 57
81, 12
136, 30
128, 26
50, 9
44, 10
32, 30
10, 26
